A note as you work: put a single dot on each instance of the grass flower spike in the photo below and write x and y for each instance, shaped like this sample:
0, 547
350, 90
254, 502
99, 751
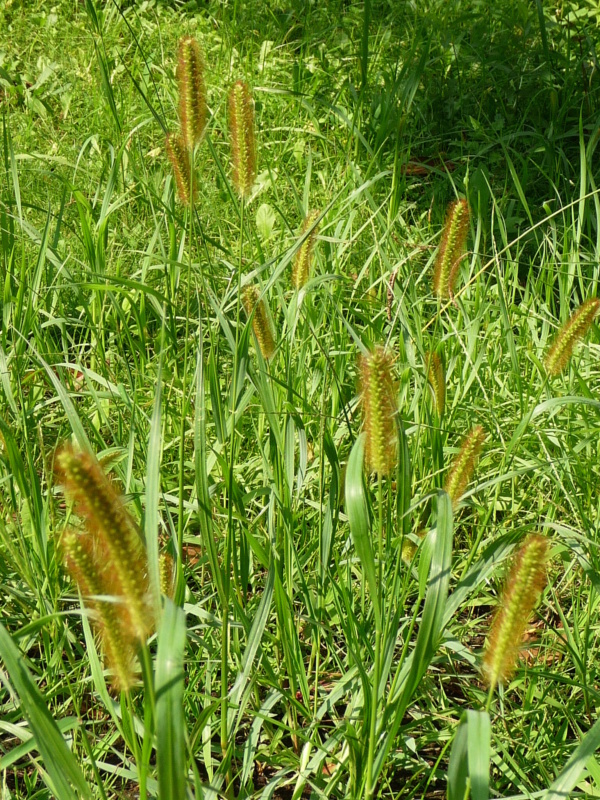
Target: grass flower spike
120, 555
436, 377
192, 91
451, 249
179, 156
524, 584
261, 325
243, 145
463, 464
574, 329
379, 399
303, 260
89, 570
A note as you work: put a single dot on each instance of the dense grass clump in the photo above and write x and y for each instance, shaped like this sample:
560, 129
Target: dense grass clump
264, 468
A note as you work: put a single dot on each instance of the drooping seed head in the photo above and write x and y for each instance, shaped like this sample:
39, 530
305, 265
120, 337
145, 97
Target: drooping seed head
525, 582
574, 329
379, 393
124, 567
243, 145
261, 324
304, 255
451, 249
88, 567
436, 375
192, 91
179, 156
463, 464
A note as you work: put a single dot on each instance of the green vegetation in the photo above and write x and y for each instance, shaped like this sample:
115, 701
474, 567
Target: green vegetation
322, 592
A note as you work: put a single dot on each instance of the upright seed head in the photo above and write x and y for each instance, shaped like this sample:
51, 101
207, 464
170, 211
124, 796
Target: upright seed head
379, 394
463, 464
303, 260
243, 145
88, 567
451, 249
526, 579
436, 375
192, 91
574, 329
261, 324
166, 569
179, 156
115, 535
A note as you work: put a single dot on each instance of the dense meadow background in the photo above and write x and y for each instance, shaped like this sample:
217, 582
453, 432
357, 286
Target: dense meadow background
316, 631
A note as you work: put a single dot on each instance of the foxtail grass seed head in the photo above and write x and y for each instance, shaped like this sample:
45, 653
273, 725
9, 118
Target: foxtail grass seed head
261, 324
436, 376
192, 91
574, 329
179, 156
451, 249
303, 260
243, 144
116, 538
88, 568
463, 464
525, 582
379, 393
166, 569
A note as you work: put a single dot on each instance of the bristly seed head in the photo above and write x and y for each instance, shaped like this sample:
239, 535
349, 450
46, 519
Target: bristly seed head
303, 260
166, 569
116, 537
261, 324
451, 249
436, 375
525, 582
179, 156
463, 464
243, 145
192, 91
574, 329
379, 395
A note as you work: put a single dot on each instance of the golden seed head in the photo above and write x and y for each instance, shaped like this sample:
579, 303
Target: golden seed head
379, 393
179, 156
122, 565
463, 464
574, 329
451, 249
436, 375
243, 145
261, 324
304, 255
525, 582
192, 91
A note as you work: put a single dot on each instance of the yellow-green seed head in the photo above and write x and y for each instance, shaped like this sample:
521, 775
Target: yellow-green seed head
525, 582
115, 535
304, 255
261, 324
451, 249
179, 156
89, 568
463, 464
436, 376
243, 145
166, 569
574, 329
379, 393
192, 91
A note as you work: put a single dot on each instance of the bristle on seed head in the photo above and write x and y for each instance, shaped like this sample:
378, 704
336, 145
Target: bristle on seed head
243, 145
436, 376
451, 249
192, 91
574, 329
179, 156
463, 464
304, 255
379, 396
261, 324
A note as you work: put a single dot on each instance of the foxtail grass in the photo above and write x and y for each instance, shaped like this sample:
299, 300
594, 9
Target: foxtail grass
436, 377
304, 256
379, 396
451, 249
261, 325
574, 329
192, 91
526, 580
463, 464
243, 144
179, 156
